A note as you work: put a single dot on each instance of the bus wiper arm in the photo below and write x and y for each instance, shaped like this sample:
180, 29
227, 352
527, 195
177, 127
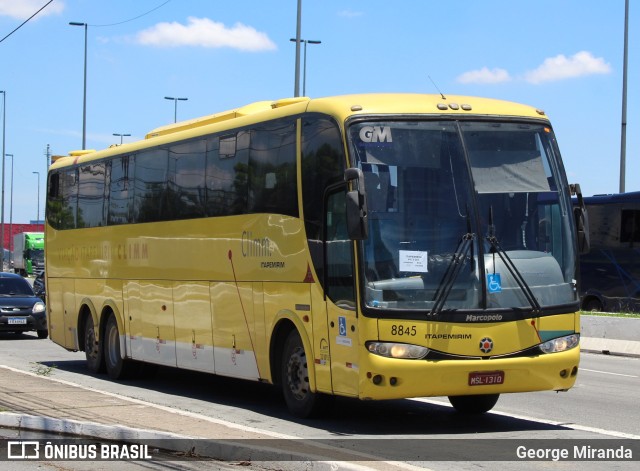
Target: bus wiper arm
446, 284
513, 270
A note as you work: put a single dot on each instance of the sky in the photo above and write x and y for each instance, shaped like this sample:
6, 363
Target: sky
562, 56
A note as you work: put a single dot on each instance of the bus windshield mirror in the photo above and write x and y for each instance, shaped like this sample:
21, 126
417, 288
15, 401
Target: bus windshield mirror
581, 219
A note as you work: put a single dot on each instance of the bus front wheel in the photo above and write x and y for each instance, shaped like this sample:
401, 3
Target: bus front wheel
117, 367
478, 404
592, 305
92, 349
301, 401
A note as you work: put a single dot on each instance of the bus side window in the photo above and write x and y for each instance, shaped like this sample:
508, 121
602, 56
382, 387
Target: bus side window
630, 226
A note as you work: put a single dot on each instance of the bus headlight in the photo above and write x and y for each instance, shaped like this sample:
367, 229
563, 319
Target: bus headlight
560, 344
397, 350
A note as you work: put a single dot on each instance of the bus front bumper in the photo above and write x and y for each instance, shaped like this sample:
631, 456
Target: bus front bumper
388, 378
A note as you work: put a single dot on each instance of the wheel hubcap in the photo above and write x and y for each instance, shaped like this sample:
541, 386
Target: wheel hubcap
297, 376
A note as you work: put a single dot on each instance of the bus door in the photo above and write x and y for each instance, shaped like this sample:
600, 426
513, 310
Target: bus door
340, 298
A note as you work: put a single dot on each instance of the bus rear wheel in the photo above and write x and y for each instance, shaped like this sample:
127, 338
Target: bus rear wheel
117, 367
300, 400
92, 349
478, 404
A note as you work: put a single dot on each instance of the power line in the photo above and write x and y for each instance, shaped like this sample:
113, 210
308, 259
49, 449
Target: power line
131, 19
25, 21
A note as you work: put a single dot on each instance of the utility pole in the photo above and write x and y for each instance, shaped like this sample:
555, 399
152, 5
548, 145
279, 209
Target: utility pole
296, 88
623, 139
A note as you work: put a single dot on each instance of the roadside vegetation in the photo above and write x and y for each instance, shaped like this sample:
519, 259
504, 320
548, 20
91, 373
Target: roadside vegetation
611, 314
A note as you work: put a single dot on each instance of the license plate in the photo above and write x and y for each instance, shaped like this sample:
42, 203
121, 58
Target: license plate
17, 320
484, 378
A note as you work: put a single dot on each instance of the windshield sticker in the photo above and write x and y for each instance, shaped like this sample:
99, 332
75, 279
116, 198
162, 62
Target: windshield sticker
376, 134
494, 285
414, 261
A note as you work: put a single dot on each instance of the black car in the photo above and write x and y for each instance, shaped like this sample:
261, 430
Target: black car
20, 309
39, 286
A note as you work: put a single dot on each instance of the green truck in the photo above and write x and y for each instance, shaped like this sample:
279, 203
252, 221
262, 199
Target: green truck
28, 253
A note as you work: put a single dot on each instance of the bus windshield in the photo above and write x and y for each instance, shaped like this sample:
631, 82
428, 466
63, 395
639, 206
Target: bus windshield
464, 215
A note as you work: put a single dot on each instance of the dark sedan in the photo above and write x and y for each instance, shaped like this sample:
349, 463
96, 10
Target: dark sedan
20, 309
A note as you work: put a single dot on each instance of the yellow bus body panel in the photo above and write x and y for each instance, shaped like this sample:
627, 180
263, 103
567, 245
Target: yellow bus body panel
208, 294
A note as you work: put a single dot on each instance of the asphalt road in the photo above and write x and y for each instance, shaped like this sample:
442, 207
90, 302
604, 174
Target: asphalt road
602, 405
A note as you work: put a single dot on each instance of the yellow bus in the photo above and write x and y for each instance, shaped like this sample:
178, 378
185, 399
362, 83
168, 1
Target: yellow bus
371, 246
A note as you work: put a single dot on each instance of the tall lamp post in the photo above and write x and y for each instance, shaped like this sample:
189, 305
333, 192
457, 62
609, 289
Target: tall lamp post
304, 62
623, 138
4, 122
84, 100
121, 136
175, 109
296, 86
38, 213
11, 208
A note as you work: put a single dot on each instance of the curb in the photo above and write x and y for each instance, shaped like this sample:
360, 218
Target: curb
610, 335
190, 448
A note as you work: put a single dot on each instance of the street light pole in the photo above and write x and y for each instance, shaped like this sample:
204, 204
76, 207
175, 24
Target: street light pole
304, 62
11, 208
623, 138
121, 136
84, 100
296, 88
175, 109
4, 122
38, 213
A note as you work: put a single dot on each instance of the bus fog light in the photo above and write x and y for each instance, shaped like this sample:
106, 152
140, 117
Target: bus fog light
560, 344
397, 350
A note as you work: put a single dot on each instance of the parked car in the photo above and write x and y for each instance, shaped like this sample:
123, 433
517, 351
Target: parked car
39, 287
20, 309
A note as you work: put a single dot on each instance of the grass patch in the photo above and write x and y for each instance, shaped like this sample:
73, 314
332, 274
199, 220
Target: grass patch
42, 370
631, 315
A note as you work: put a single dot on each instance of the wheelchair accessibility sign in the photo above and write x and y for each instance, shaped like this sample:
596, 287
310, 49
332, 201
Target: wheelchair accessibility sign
342, 338
494, 285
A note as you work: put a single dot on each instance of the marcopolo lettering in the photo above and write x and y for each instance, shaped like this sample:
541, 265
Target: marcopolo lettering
376, 134
483, 318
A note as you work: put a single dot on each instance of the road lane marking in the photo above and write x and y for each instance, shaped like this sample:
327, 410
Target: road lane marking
609, 373
582, 428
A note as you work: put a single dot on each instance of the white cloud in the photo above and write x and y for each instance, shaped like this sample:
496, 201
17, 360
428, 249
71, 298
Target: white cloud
350, 13
561, 68
485, 75
204, 32
23, 9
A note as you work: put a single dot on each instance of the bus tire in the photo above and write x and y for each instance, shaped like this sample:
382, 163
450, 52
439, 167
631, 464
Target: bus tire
478, 404
300, 400
92, 348
592, 305
117, 367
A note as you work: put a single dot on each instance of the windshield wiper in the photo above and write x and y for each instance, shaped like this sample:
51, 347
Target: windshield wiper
449, 278
511, 267
465, 246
